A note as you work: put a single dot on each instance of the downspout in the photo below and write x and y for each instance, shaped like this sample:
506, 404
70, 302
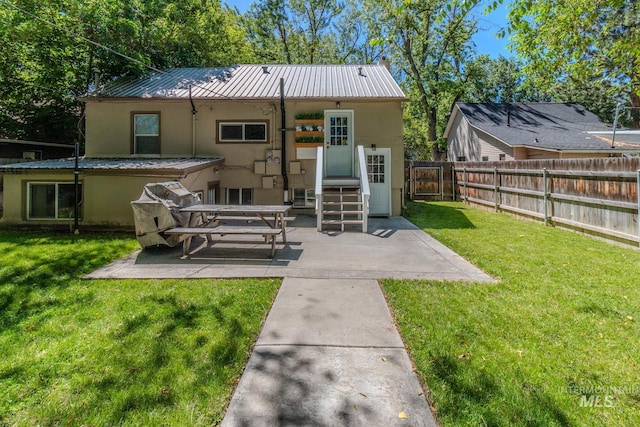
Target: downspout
283, 129
76, 183
193, 124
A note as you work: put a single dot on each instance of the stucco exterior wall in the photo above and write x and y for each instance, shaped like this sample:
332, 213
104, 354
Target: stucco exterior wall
109, 135
106, 198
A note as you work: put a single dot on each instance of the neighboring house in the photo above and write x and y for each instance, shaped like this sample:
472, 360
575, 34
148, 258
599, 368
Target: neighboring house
220, 131
12, 150
520, 131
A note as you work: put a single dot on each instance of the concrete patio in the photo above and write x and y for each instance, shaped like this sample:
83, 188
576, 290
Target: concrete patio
393, 248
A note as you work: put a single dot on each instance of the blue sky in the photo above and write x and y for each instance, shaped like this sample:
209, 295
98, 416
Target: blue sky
485, 40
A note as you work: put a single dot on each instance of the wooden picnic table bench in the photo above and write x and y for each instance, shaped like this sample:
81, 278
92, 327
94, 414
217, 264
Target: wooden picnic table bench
268, 233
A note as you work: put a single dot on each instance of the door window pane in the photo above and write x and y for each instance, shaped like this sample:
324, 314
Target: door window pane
375, 168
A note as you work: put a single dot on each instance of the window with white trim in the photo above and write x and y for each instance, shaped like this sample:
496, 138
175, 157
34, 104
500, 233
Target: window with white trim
146, 133
239, 196
52, 200
242, 132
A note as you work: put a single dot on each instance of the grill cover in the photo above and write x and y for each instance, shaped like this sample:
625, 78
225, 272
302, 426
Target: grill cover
155, 211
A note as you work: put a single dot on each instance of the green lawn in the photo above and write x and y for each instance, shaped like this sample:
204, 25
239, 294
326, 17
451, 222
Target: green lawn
116, 352
555, 342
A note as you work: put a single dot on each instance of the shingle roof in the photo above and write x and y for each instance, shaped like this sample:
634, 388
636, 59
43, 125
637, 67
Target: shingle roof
252, 82
114, 164
551, 126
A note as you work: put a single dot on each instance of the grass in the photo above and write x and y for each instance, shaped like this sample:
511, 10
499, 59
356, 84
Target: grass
553, 342
117, 352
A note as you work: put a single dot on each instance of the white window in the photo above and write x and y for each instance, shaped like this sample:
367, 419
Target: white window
242, 132
304, 197
51, 200
485, 158
239, 196
146, 133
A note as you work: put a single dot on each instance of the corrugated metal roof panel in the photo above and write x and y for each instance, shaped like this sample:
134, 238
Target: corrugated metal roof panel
87, 163
261, 82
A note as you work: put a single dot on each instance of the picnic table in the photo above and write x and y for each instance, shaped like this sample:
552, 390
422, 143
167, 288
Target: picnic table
204, 219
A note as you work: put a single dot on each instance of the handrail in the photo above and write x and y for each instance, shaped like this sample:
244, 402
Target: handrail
364, 187
319, 179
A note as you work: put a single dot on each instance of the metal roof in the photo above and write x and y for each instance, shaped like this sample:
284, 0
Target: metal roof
254, 82
114, 164
544, 125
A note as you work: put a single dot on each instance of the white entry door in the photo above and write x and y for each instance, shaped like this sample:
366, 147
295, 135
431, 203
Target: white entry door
338, 143
379, 171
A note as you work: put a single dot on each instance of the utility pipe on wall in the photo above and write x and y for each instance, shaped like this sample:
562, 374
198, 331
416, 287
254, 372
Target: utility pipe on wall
193, 124
283, 129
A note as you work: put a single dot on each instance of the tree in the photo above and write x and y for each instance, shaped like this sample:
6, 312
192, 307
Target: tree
52, 47
430, 40
584, 41
293, 32
499, 80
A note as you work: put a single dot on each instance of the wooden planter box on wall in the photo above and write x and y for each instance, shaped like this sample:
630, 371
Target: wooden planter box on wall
306, 141
304, 133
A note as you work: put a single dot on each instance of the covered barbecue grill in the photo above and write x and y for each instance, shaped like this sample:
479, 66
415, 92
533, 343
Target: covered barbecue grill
156, 211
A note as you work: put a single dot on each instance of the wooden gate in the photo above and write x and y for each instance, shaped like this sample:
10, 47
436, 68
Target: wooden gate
426, 180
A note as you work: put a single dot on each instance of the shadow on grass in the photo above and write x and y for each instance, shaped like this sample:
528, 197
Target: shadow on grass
475, 391
159, 363
31, 264
437, 216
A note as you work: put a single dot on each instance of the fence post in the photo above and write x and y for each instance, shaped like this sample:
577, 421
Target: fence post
453, 183
545, 197
495, 187
464, 182
638, 197
441, 183
411, 177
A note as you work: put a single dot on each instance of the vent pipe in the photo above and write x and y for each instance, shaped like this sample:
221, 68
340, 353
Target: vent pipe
509, 118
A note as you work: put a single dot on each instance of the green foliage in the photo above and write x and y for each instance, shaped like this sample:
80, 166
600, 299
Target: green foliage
310, 139
430, 41
318, 115
585, 41
498, 80
48, 62
292, 32
117, 352
562, 317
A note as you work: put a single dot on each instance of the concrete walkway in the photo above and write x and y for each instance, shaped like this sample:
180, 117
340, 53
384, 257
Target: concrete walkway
329, 353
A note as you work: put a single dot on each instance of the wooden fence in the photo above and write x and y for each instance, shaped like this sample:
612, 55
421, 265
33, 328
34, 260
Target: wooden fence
599, 196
